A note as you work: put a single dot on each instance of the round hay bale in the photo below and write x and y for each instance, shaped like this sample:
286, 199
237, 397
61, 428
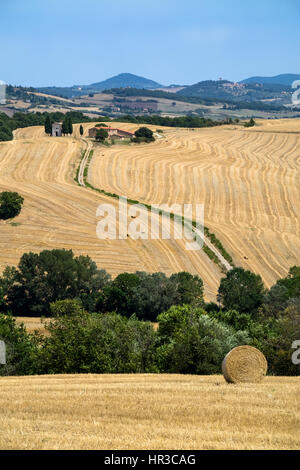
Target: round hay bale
244, 364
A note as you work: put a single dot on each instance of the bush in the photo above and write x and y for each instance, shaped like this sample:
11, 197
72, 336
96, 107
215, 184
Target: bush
101, 135
5, 132
143, 134
10, 205
241, 290
21, 348
193, 343
278, 340
250, 123
147, 295
80, 342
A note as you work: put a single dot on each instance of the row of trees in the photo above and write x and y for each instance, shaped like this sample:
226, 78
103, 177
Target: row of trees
189, 340
20, 120
67, 126
41, 279
180, 121
193, 336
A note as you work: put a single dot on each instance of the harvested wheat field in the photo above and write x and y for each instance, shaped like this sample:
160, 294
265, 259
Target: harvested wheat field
148, 412
247, 179
57, 213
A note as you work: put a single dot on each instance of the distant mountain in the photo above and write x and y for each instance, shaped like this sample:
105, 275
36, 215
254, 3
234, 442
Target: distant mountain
124, 80
284, 79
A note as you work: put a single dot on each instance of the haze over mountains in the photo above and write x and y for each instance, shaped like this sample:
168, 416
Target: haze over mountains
209, 88
284, 79
276, 90
124, 80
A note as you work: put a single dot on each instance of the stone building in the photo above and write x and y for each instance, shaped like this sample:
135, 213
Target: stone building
57, 129
113, 133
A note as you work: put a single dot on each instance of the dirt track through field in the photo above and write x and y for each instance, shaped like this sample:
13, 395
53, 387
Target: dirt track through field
247, 179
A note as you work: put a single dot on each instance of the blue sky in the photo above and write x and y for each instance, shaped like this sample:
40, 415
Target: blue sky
67, 42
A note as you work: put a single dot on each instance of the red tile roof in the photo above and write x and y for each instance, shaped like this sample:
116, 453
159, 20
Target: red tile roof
114, 129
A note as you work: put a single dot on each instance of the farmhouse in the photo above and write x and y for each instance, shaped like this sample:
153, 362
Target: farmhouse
57, 129
113, 133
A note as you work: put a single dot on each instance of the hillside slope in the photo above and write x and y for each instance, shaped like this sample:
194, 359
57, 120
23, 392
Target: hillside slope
124, 80
283, 79
248, 180
57, 213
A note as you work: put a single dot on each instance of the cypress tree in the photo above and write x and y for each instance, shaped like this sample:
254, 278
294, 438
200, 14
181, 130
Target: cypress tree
48, 125
81, 129
69, 125
64, 128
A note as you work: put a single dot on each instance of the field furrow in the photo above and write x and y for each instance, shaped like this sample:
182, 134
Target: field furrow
57, 213
247, 179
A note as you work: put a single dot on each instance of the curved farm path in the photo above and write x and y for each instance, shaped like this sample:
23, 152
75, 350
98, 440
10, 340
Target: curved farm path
248, 180
57, 213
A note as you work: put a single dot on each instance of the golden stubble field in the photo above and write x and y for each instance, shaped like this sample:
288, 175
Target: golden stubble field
247, 179
57, 213
148, 412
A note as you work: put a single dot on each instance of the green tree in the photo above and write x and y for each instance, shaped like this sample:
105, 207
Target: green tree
10, 204
101, 135
119, 294
51, 275
79, 342
69, 125
250, 123
81, 130
189, 288
5, 132
291, 283
275, 300
154, 294
277, 345
190, 342
69, 307
64, 128
145, 295
241, 290
48, 125
144, 132
21, 348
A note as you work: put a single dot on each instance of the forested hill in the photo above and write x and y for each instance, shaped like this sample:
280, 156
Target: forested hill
283, 79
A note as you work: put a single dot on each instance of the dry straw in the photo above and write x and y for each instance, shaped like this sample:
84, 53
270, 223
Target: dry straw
244, 364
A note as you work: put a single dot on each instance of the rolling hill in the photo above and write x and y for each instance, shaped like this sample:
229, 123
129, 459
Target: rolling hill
284, 79
247, 179
57, 213
238, 92
124, 80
